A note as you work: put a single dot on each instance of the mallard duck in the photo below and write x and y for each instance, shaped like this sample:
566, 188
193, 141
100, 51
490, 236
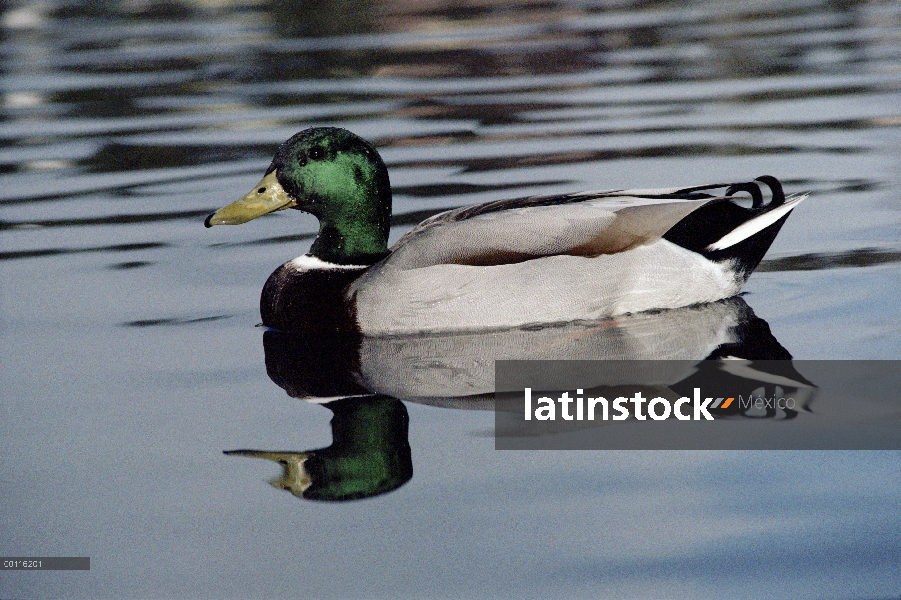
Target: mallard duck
581, 256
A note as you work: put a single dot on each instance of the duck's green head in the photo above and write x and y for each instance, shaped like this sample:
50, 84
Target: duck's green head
337, 177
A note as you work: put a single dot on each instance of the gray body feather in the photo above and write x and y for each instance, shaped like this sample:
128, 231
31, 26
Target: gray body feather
513, 264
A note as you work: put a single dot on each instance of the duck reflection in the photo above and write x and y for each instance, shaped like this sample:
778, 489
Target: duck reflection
457, 370
370, 454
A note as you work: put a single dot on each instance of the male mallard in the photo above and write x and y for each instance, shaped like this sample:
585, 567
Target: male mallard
552, 259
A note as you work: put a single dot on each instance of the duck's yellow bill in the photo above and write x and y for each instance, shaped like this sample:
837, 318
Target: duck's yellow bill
268, 196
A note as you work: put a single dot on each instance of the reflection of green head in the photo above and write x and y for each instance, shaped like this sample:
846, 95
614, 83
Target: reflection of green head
369, 455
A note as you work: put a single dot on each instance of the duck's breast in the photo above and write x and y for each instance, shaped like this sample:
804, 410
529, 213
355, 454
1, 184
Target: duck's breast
307, 295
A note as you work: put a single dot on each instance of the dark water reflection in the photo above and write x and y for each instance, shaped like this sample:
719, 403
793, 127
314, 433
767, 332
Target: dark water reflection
131, 360
370, 454
457, 370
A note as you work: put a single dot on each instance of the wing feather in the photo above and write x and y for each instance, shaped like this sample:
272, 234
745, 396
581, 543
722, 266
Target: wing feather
524, 229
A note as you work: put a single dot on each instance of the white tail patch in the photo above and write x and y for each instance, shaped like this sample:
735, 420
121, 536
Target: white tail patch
755, 225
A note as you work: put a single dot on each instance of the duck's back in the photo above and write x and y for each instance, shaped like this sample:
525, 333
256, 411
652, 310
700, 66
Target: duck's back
565, 258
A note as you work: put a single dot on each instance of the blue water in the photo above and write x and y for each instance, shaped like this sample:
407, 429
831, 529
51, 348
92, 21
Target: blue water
131, 359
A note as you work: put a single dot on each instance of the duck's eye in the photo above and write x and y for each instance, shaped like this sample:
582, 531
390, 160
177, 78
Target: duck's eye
316, 153
261, 190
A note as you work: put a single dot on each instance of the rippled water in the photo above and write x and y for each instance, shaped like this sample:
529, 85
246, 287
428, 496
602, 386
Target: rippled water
131, 360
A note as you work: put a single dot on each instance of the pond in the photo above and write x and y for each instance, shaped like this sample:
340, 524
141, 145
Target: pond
132, 362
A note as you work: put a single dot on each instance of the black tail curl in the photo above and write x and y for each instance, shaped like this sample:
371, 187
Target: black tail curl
777, 195
712, 222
